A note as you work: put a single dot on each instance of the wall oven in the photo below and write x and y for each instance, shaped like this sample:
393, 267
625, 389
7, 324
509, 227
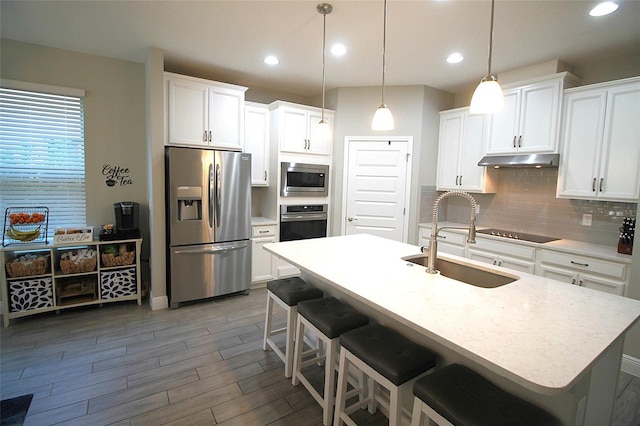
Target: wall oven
304, 180
299, 222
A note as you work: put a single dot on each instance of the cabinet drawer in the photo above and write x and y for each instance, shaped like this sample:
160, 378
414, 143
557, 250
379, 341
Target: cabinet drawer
263, 231
512, 250
586, 264
454, 238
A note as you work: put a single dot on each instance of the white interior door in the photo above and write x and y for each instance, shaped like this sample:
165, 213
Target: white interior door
376, 187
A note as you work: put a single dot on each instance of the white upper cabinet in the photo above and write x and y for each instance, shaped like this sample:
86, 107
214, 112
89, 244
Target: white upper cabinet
529, 122
296, 127
462, 144
601, 142
203, 113
256, 141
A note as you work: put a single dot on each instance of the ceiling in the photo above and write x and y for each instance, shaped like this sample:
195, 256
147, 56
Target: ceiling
228, 40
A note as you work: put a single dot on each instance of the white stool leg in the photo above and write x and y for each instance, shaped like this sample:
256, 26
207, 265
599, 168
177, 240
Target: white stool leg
343, 371
291, 317
329, 381
297, 353
416, 416
267, 321
395, 413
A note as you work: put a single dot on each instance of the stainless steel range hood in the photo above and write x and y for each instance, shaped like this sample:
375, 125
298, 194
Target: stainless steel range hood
521, 160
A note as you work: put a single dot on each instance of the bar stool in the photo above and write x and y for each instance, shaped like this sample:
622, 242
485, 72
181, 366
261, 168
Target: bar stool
327, 319
287, 293
386, 357
456, 395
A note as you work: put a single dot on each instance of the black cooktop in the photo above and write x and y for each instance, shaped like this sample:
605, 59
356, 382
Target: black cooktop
517, 235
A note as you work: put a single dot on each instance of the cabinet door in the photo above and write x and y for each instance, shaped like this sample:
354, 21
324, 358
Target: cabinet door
558, 274
597, 283
256, 137
449, 150
472, 150
317, 145
504, 125
539, 118
262, 260
584, 114
294, 130
619, 177
188, 112
225, 118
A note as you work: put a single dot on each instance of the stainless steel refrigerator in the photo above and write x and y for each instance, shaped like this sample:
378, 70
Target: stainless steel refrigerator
208, 199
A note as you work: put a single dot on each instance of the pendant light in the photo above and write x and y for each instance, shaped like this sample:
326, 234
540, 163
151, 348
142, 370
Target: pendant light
488, 97
382, 119
323, 132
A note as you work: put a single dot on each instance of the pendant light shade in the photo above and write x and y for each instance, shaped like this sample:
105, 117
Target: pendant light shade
488, 97
323, 131
382, 119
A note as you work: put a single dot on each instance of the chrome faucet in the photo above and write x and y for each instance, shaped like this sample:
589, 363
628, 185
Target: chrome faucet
433, 240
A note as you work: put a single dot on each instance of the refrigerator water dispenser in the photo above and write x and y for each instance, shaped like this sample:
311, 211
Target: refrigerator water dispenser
189, 203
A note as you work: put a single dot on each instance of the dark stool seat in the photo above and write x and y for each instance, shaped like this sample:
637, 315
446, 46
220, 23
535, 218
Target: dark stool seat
293, 290
327, 319
388, 359
389, 352
463, 397
286, 293
331, 317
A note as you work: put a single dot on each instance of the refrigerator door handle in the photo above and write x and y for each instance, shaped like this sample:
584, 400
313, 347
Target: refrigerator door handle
217, 194
211, 196
218, 248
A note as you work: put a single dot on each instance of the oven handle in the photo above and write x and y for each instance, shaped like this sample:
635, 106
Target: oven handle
302, 217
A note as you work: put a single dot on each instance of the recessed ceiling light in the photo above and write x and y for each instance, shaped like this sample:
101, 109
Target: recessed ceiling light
271, 60
338, 49
604, 8
455, 58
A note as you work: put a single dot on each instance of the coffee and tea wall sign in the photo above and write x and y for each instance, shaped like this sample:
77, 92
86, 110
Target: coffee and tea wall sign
116, 175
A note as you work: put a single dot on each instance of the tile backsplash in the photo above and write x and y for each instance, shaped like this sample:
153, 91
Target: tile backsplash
526, 202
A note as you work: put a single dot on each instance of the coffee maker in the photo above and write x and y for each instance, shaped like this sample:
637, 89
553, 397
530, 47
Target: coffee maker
127, 216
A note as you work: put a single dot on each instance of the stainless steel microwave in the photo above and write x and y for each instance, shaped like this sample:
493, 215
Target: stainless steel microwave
304, 180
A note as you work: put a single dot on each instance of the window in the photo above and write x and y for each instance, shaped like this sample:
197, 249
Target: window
42, 151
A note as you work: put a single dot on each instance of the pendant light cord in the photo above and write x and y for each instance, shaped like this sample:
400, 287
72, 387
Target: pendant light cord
489, 76
324, 37
384, 46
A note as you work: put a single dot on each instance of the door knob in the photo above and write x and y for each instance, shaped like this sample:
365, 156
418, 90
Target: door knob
351, 219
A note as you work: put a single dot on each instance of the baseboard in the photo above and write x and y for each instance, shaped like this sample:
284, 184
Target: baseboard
161, 302
630, 365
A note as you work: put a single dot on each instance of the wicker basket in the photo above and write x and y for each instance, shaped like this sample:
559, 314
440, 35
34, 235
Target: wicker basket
126, 258
17, 268
71, 267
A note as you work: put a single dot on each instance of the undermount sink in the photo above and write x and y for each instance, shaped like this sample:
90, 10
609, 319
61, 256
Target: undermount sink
465, 273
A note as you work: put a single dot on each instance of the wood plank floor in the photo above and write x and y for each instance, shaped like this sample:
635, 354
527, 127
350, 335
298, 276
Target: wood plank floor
201, 364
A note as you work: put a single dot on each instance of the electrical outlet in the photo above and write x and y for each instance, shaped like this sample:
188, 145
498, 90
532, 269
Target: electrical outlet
477, 208
586, 219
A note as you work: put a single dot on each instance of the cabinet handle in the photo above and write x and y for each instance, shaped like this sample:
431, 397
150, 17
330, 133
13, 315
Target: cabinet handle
573, 281
263, 232
494, 261
601, 182
204, 136
520, 141
265, 175
580, 283
210, 136
442, 237
586, 265
593, 185
514, 141
460, 180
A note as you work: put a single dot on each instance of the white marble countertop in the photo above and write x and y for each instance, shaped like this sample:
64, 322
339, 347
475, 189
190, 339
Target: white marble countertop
537, 332
262, 221
569, 246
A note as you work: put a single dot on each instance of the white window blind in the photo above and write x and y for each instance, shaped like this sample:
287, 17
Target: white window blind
42, 154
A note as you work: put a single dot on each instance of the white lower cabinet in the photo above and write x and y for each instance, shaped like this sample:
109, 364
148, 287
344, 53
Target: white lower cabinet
584, 271
448, 242
514, 256
262, 262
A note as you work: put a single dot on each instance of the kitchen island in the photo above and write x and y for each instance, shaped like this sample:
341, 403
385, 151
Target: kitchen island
556, 345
